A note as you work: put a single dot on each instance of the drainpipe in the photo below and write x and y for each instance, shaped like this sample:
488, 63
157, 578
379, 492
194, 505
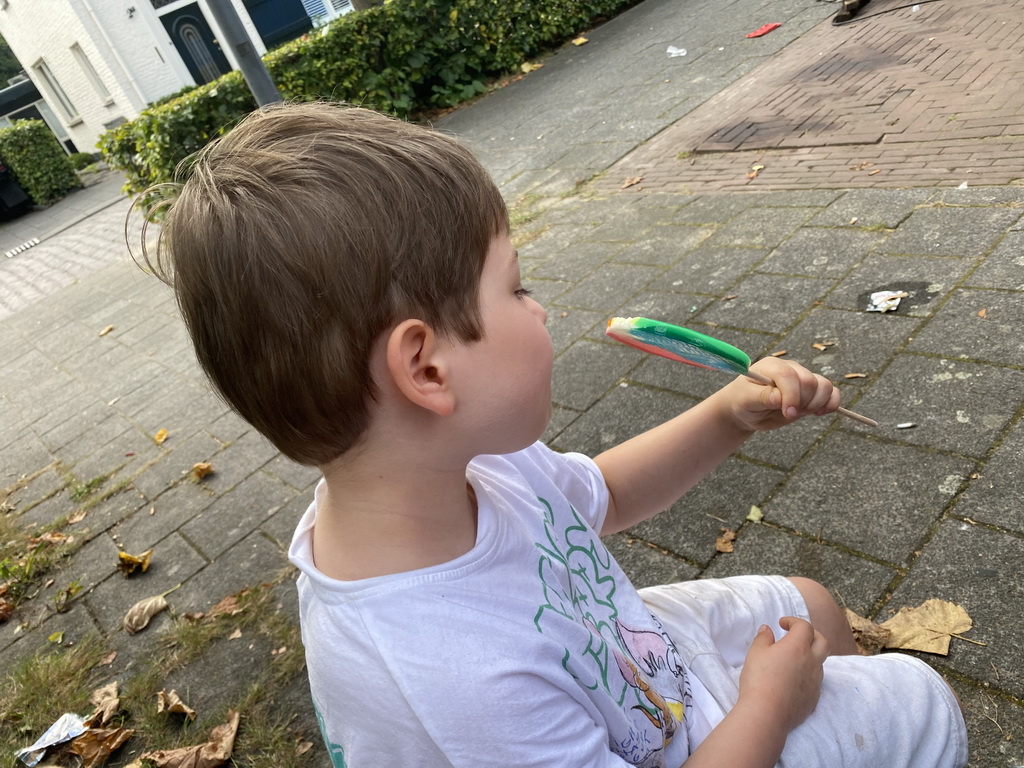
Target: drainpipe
110, 46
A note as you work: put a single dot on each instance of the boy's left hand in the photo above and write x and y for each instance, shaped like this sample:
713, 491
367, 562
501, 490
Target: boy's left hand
796, 392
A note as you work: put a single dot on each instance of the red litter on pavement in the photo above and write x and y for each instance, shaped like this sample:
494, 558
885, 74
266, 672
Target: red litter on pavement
765, 29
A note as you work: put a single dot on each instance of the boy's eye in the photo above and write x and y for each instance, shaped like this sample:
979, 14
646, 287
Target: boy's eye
522, 293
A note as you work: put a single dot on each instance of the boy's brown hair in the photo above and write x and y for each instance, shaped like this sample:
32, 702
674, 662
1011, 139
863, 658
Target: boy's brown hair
301, 236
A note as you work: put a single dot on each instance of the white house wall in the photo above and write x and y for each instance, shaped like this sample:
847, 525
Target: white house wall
132, 55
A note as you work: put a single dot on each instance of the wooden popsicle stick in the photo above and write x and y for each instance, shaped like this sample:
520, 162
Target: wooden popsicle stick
841, 411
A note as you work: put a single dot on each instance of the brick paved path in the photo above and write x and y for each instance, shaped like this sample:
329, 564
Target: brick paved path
926, 97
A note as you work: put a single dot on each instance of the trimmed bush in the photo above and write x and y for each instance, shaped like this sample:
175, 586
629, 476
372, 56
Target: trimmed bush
403, 58
37, 161
80, 160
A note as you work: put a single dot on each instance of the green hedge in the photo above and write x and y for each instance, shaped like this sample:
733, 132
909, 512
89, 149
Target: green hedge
37, 161
404, 57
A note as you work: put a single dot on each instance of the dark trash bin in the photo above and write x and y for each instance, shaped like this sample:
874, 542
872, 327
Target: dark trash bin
12, 196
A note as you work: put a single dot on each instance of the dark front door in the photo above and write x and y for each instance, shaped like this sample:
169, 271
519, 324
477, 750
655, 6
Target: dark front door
194, 40
278, 21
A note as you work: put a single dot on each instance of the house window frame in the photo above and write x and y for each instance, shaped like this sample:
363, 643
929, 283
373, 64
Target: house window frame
54, 89
91, 74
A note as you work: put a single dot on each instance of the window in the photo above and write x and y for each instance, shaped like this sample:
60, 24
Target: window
42, 69
91, 73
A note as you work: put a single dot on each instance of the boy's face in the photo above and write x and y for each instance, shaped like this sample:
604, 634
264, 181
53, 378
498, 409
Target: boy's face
507, 374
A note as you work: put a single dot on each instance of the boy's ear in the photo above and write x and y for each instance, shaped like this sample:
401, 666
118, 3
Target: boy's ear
417, 366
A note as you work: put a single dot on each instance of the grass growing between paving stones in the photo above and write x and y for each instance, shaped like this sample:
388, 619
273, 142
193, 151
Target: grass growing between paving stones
60, 679
42, 687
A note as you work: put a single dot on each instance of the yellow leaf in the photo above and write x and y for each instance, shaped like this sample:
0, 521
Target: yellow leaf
755, 515
927, 627
57, 637
724, 543
453, 14
160, 436
580, 41
201, 469
128, 564
529, 66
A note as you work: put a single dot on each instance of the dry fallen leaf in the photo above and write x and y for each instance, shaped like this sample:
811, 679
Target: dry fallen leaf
580, 40
235, 635
631, 181
160, 436
6, 609
106, 330
138, 616
724, 542
107, 660
529, 66
870, 637
50, 537
127, 564
97, 744
212, 754
927, 627
106, 703
982, 313
201, 469
78, 516
170, 701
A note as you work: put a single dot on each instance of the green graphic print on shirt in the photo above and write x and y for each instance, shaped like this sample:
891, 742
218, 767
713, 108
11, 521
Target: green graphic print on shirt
638, 669
336, 752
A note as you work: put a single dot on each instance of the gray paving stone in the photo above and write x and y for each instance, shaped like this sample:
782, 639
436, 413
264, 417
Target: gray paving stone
298, 476
623, 413
856, 582
785, 447
1004, 267
863, 341
239, 460
715, 209
769, 303
154, 521
855, 492
567, 325
873, 208
955, 406
174, 562
236, 514
926, 281
608, 286
820, 252
994, 496
647, 565
664, 245
958, 232
709, 270
252, 561
994, 726
959, 330
175, 463
281, 525
722, 500
752, 229
585, 371
977, 568
573, 262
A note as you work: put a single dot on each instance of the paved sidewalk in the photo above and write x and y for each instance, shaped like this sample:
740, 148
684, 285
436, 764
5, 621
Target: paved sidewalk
885, 517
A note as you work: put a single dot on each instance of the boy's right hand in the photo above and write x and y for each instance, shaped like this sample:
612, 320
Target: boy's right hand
785, 676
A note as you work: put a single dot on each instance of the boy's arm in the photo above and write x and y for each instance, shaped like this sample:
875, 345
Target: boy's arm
649, 472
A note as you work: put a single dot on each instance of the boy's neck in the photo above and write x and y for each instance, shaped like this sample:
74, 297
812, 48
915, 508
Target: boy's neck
386, 513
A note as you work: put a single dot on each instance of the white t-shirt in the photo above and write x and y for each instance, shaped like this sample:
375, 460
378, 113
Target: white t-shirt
532, 649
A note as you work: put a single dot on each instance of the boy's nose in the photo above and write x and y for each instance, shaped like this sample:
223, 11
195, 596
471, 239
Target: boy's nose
540, 311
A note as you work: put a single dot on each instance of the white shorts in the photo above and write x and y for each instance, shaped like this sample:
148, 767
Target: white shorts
889, 710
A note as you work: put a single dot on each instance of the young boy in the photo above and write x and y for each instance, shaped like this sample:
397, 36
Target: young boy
351, 290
